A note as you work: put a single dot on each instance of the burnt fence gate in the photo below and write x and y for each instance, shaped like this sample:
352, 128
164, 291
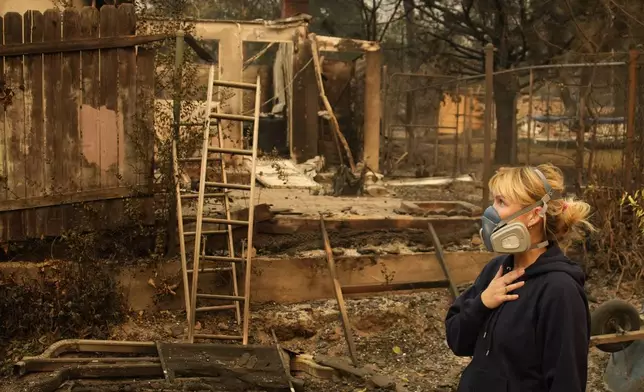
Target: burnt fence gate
76, 125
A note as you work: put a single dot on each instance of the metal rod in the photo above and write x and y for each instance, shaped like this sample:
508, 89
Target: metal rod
630, 125
458, 110
530, 117
240, 85
487, 143
176, 118
231, 117
241, 187
236, 151
522, 69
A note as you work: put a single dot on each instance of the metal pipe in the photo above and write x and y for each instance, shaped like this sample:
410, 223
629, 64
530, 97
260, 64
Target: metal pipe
487, 143
176, 125
630, 125
521, 69
530, 117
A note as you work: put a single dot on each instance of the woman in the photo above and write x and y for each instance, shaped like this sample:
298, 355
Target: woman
525, 321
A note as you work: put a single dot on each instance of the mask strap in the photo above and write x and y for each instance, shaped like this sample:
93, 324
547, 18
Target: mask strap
543, 202
540, 245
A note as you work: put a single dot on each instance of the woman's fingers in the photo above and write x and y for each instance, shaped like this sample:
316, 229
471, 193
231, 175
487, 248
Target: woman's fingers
514, 286
509, 297
512, 276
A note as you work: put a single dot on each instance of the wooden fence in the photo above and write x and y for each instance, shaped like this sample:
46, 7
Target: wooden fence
75, 126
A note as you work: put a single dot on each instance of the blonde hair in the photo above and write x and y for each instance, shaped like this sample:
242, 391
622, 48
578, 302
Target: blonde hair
565, 218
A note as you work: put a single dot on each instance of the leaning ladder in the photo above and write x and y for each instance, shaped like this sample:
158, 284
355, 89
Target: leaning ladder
191, 292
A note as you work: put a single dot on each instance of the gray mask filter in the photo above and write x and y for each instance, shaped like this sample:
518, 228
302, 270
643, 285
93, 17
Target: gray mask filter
503, 235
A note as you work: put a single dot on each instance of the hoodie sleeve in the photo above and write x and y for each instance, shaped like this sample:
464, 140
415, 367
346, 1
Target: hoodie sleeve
563, 332
466, 316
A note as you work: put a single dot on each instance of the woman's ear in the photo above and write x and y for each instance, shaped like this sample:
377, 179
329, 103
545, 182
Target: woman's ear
536, 216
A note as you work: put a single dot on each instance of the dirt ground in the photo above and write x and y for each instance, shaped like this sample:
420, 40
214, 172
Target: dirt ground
401, 335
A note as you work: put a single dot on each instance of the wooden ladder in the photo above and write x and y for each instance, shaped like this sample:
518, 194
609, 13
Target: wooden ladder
222, 190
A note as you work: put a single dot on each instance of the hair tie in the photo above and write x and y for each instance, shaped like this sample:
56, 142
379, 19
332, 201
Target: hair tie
564, 207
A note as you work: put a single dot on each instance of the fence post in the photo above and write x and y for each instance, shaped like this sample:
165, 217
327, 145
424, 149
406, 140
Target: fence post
487, 139
530, 117
630, 125
176, 120
457, 96
372, 110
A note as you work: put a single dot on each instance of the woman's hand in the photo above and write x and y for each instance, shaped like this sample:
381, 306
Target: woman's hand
498, 289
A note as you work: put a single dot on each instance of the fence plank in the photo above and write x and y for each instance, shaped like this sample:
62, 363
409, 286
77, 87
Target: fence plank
90, 131
145, 111
53, 108
108, 101
34, 122
70, 150
15, 124
15, 110
129, 160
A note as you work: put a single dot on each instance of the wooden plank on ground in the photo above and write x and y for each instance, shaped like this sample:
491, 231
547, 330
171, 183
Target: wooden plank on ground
15, 124
144, 126
52, 109
108, 101
90, 131
450, 229
629, 336
352, 272
344, 317
441, 260
34, 25
129, 168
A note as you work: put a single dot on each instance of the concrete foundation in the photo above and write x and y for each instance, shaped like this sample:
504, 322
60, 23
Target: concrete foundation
284, 280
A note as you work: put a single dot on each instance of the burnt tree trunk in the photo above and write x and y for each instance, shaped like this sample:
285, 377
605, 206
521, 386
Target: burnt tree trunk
505, 151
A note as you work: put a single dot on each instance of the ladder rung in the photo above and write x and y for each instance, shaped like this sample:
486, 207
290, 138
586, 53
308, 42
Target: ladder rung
225, 221
218, 337
236, 151
231, 117
193, 159
224, 297
206, 195
211, 270
224, 258
205, 232
216, 220
214, 308
242, 85
240, 187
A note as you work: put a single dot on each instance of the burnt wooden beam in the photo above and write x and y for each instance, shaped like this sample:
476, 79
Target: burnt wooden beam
73, 198
80, 44
200, 50
399, 286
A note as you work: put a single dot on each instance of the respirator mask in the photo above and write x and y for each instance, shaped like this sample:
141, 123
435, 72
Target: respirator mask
503, 235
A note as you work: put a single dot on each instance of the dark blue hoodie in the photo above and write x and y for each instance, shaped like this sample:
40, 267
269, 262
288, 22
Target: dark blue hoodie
537, 343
